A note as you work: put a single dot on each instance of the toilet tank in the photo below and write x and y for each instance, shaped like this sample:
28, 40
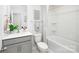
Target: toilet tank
38, 37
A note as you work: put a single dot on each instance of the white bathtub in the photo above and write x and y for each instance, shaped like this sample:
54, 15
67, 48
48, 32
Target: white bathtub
58, 44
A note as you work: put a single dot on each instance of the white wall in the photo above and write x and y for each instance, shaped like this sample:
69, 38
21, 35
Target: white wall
30, 16
2, 9
64, 20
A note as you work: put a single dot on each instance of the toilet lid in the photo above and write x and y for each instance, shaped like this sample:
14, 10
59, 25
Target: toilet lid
42, 45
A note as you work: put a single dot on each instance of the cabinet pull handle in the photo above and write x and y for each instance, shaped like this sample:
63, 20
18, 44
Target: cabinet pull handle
5, 48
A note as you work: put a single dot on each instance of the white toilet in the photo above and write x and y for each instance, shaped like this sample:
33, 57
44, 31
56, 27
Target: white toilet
42, 46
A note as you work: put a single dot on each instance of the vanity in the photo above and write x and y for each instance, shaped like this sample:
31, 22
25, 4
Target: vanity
14, 18
17, 43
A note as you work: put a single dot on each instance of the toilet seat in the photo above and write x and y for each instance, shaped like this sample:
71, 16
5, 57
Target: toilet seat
42, 45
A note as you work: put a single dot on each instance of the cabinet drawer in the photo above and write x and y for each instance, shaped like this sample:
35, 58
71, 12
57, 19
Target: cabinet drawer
16, 40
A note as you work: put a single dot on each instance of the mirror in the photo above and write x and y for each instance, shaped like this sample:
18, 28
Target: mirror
19, 14
16, 14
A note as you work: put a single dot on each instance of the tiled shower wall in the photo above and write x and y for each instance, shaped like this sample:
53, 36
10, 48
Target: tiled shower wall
63, 27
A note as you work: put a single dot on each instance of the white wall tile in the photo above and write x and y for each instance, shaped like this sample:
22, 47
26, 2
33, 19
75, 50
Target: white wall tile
67, 30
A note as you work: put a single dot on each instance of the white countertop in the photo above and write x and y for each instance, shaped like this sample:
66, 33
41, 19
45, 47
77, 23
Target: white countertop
15, 35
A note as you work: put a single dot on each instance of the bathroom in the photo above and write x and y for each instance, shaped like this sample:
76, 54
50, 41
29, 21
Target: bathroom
39, 29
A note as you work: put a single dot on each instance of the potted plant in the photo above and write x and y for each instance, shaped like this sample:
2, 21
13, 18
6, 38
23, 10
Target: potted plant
13, 27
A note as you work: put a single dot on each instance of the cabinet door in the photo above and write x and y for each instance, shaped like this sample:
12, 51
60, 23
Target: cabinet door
10, 49
24, 47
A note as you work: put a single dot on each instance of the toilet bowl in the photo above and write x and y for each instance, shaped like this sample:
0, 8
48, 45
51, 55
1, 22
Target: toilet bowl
42, 46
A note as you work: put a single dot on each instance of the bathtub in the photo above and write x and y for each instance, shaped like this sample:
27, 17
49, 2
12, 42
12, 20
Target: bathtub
58, 44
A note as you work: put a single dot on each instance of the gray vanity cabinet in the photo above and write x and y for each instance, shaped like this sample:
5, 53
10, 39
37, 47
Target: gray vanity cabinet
18, 45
